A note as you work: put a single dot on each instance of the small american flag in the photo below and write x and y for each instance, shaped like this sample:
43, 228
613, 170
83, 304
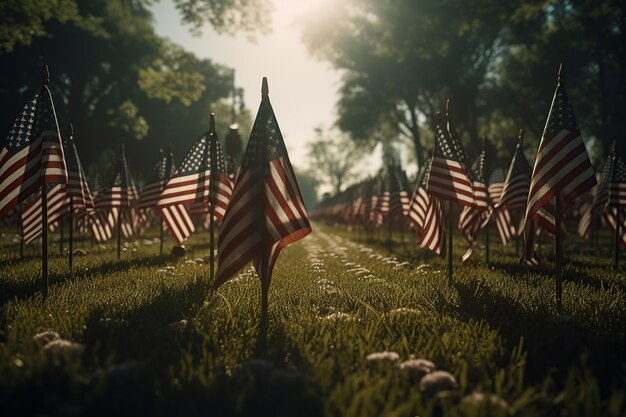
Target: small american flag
266, 212
77, 186
448, 179
58, 206
419, 202
504, 222
163, 170
617, 186
394, 201
194, 183
562, 168
515, 190
433, 232
32, 152
118, 193
474, 217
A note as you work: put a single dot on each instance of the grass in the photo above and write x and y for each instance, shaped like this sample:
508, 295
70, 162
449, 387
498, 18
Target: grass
157, 341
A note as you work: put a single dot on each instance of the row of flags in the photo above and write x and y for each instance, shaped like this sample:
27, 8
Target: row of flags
519, 201
260, 211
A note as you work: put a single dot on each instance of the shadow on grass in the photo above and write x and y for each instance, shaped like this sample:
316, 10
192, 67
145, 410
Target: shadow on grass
14, 289
552, 345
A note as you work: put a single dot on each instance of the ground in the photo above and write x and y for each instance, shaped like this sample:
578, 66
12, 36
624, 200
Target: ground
147, 336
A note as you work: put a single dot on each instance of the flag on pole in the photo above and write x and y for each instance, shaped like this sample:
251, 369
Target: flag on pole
448, 178
473, 218
617, 185
191, 185
515, 190
32, 153
562, 168
266, 212
504, 222
163, 170
432, 235
77, 186
58, 206
419, 201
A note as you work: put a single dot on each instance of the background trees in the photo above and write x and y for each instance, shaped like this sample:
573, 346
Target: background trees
496, 60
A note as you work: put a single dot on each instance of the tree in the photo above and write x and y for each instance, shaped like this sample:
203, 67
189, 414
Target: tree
332, 158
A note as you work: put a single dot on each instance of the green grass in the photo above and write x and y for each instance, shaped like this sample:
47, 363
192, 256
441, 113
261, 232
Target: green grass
334, 299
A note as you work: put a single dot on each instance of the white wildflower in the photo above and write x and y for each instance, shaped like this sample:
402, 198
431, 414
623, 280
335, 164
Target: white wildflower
490, 403
438, 381
417, 368
46, 336
62, 345
383, 357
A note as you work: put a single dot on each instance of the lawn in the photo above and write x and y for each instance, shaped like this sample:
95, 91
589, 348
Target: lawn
147, 336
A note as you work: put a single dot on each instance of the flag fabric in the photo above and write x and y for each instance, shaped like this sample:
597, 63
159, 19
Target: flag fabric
419, 202
77, 186
448, 179
432, 234
617, 185
394, 202
473, 218
517, 183
504, 222
610, 217
32, 152
118, 193
266, 212
58, 206
562, 168
163, 170
192, 183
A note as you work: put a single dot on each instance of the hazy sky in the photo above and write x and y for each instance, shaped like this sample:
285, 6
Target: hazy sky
302, 89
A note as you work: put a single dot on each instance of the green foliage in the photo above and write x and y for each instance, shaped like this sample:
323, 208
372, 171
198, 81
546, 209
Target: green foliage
334, 300
127, 119
227, 16
23, 20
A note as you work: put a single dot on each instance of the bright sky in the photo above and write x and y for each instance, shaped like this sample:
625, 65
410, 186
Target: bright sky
302, 89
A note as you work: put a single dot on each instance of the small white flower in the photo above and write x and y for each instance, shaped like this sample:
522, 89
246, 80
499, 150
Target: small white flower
383, 357
417, 368
478, 401
438, 381
62, 345
46, 336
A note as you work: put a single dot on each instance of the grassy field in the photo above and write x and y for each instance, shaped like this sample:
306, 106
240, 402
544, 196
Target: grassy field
146, 336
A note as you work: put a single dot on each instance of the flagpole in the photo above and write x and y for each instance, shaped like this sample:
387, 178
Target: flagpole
450, 227
44, 212
617, 238
119, 233
71, 237
487, 243
21, 228
44, 239
558, 252
161, 236
213, 157
263, 325
61, 235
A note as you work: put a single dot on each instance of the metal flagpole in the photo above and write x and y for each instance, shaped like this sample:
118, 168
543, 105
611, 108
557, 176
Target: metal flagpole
450, 227
44, 239
212, 174
617, 238
261, 223
70, 255
61, 235
487, 243
21, 228
119, 233
558, 252
161, 236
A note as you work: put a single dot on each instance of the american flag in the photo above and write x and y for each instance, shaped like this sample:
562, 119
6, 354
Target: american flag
617, 186
562, 168
448, 177
433, 233
473, 218
162, 172
515, 190
419, 202
193, 183
394, 201
375, 216
266, 212
118, 193
610, 217
504, 222
32, 152
58, 206
77, 186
